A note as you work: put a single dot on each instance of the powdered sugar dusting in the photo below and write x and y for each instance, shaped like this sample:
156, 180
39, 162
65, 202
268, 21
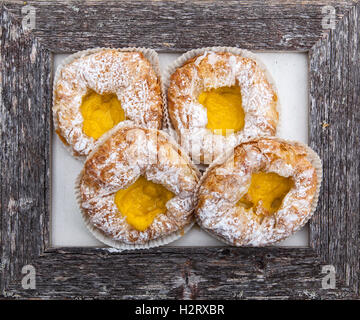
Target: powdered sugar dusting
127, 74
213, 70
217, 212
117, 162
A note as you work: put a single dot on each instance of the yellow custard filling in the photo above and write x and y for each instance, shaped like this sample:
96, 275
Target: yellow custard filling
224, 109
141, 202
267, 190
100, 113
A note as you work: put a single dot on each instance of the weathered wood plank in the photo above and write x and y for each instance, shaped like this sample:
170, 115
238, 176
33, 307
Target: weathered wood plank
180, 25
175, 273
334, 133
221, 273
318, 137
353, 142
25, 134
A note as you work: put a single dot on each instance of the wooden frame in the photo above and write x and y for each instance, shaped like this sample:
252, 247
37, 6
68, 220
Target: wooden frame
196, 273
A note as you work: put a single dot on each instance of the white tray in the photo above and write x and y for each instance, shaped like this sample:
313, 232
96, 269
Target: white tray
289, 71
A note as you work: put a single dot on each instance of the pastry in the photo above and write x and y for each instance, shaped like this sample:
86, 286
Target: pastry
136, 186
262, 193
218, 99
100, 89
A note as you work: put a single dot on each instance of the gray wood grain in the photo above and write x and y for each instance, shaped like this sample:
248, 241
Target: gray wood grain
178, 273
175, 26
185, 273
25, 148
334, 133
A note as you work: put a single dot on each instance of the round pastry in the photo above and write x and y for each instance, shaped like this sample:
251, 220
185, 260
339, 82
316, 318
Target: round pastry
218, 99
136, 186
262, 193
96, 91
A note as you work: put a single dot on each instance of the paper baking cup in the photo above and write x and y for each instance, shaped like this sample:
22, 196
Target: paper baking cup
150, 54
312, 156
109, 241
180, 61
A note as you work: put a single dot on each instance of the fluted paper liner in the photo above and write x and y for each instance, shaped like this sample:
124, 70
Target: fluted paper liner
312, 156
180, 61
109, 241
150, 54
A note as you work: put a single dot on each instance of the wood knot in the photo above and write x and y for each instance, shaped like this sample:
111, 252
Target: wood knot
260, 264
225, 252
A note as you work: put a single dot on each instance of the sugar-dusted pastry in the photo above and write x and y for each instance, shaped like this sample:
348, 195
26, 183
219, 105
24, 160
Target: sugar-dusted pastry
136, 186
261, 194
218, 99
99, 89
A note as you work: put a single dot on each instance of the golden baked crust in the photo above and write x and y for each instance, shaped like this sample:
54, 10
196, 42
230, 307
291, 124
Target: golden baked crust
226, 182
127, 74
214, 70
117, 162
